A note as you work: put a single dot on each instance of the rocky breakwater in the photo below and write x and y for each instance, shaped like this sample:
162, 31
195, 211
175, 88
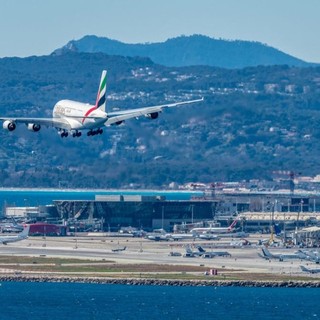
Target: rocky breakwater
159, 282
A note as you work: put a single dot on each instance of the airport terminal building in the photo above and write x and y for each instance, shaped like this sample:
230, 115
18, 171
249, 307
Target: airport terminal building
143, 212
112, 212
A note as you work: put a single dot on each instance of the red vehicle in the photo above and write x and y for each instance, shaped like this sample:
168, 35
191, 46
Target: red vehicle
47, 229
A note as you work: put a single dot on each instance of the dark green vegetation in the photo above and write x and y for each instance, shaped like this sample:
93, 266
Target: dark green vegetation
188, 51
253, 120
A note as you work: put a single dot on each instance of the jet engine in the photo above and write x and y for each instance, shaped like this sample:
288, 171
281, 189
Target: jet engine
9, 125
34, 127
118, 123
153, 115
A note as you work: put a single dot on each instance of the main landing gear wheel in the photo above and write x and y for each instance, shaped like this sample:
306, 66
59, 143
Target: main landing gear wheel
64, 134
76, 134
94, 132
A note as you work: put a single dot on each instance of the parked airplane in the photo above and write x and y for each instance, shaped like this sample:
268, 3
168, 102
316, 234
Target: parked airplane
175, 254
71, 116
211, 254
209, 236
303, 268
158, 237
21, 236
190, 253
266, 254
182, 236
215, 229
203, 253
119, 249
312, 255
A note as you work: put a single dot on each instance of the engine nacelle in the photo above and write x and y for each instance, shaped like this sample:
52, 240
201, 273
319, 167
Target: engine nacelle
153, 115
9, 125
34, 127
118, 123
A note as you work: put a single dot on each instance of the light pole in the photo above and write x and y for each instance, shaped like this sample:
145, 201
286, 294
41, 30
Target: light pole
162, 217
192, 207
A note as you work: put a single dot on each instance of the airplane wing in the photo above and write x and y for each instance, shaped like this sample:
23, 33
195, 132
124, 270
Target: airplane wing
48, 122
118, 116
67, 123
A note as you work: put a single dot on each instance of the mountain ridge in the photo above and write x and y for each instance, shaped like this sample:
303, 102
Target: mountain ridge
189, 51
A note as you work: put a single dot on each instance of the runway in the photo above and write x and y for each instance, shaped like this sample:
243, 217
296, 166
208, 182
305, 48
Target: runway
142, 251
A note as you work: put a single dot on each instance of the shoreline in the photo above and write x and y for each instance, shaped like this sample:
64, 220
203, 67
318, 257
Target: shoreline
159, 282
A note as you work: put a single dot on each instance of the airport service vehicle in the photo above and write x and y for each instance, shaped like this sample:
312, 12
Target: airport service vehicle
21, 236
71, 117
175, 254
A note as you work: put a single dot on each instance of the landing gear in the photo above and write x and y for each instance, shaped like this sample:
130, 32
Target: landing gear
63, 134
94, 132
76, 134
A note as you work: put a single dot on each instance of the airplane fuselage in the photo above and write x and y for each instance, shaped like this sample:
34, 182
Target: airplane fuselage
79, 115
210, 230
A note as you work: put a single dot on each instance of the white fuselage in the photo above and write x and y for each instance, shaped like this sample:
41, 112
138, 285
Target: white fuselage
79, 115
211, 230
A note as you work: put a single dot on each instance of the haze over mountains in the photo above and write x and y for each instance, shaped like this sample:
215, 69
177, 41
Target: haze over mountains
254, 120
188, 51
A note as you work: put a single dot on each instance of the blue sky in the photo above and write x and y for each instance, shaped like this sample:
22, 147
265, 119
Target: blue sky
37, 27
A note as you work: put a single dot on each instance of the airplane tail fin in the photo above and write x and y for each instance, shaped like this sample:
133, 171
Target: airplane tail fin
101, 96
201, 249
303, 268
277, 229
232, 225
25, 231
266, 252
188, 249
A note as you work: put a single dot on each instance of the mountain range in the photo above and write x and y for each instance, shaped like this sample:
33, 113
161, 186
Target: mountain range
188, 51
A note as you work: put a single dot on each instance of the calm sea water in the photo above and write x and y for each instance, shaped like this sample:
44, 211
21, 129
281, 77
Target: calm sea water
96, 301
36, 197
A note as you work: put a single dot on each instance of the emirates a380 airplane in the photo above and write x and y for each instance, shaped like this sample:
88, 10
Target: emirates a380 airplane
71, 117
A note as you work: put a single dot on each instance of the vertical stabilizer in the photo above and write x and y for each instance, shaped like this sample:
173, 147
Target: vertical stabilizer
232, 225
266, 252
201, 249
25, 231
101, 96
303, 268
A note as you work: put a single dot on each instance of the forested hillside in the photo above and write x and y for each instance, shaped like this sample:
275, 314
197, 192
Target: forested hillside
253, 120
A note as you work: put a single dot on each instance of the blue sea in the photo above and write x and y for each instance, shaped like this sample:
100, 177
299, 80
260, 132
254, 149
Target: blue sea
36, 197
105, 301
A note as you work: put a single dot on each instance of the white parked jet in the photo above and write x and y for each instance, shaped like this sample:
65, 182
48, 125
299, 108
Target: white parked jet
71, 116
220, 230
266, 254
119, 249
309, 270
21, 236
